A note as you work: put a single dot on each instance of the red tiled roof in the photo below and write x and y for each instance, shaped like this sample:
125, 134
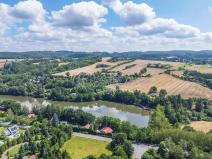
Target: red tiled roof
87, 126
33, 157
107, 130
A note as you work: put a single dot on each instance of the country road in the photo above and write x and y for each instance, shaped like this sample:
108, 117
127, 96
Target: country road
139, 149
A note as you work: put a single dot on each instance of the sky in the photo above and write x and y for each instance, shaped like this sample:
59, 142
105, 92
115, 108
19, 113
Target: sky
105, 25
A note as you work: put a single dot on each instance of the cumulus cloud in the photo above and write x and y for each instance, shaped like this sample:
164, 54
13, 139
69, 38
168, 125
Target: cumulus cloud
30, 10
163, 27
130, 12
80, 14
141, 20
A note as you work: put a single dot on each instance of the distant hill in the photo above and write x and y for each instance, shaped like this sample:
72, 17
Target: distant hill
204, 56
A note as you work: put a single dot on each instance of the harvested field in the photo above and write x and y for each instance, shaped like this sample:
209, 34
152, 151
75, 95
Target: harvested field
204, 126
141, 64
88, 69
2, 63
200, 68
155, 71
177, 73
172, 85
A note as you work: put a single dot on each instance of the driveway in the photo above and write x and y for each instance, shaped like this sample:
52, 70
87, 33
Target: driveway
139, 149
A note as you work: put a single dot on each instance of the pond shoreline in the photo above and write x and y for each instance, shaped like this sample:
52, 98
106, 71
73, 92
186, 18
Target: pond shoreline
135, 115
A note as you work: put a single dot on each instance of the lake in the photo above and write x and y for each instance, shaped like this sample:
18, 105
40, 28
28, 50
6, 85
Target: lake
133, 114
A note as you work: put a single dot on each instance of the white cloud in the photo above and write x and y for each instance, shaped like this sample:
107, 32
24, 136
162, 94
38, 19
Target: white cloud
163, 27
80, 14
209, 9
29, 10
130, 12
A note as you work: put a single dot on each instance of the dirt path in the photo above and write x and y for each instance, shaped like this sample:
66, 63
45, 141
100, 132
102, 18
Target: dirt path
4, 155
139, 149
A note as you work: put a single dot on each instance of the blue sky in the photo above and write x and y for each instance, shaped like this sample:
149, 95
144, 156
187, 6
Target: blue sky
181, 24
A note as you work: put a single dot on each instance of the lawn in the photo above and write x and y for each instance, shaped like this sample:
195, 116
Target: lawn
13, 152
79, 148
2, 129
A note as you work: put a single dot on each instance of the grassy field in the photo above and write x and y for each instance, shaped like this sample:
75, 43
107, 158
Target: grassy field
13, 152
2, 129
204, 126
79, 148
172, 85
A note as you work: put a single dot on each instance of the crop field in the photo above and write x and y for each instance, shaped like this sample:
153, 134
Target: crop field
200, 68
89, 69
177, 73
79, 147
2, 63
204, 126
136, 66
172, 85
141, 64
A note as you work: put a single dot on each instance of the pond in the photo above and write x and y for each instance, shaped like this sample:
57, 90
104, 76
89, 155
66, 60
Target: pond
133, 114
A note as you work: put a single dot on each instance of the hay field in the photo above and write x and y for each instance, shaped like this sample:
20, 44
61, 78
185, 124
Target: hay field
204, 126
172, 85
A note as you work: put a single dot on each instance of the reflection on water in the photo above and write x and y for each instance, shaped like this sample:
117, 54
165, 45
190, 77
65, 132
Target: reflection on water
136, 119
124, 112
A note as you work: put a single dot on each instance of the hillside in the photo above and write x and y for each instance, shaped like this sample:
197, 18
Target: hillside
173, 86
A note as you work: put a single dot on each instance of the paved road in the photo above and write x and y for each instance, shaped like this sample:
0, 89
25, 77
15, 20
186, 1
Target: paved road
139, 149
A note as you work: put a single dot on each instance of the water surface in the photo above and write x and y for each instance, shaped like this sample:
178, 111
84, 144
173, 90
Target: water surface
133, 114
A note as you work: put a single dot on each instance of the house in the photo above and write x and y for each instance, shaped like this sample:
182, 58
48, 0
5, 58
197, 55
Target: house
107, 130
87, 126
12, 130
33, 157
31, 115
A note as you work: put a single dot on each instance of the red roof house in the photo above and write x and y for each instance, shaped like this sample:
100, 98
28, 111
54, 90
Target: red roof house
87, 126
106, 130
33, 157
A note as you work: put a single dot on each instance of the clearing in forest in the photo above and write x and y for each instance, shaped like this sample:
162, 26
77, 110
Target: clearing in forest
78, 147
172, 85
204, 126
